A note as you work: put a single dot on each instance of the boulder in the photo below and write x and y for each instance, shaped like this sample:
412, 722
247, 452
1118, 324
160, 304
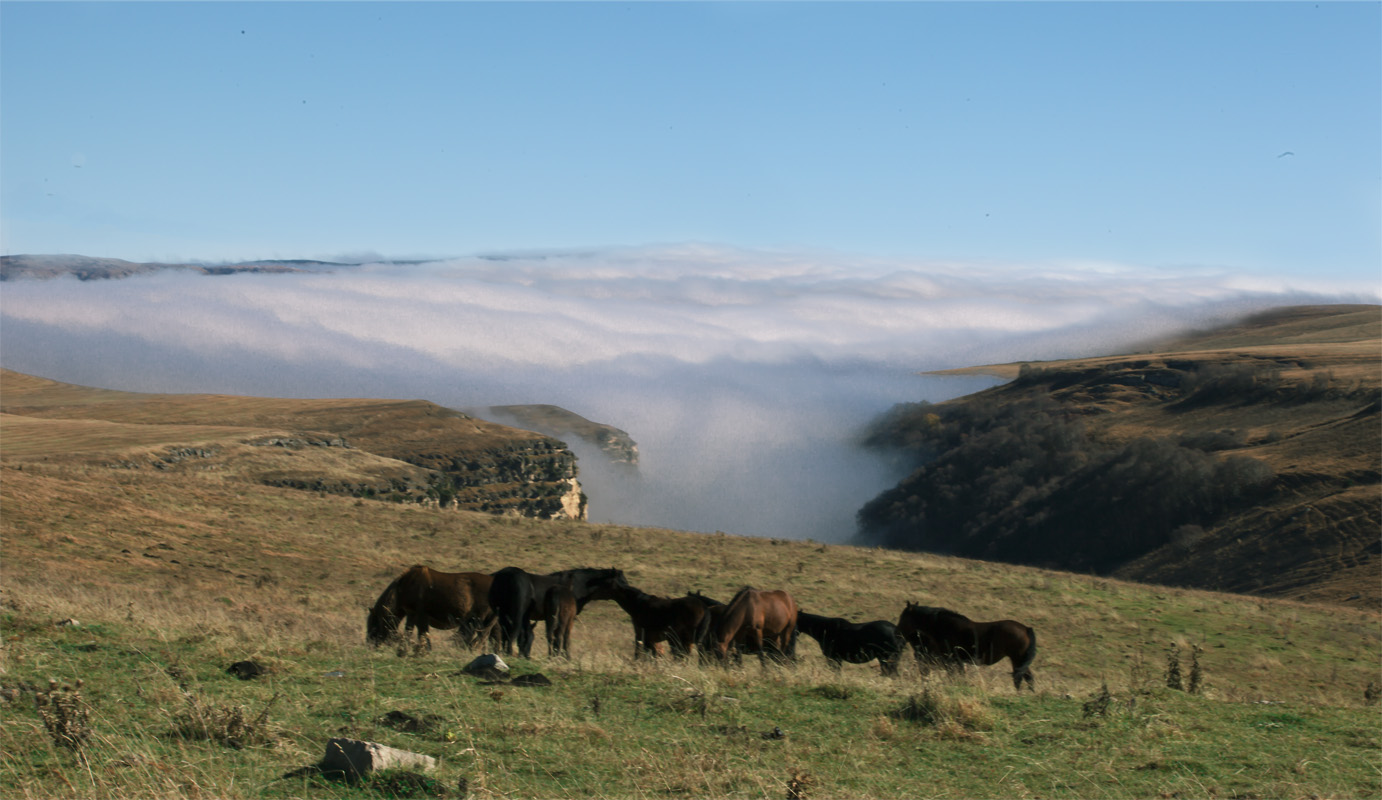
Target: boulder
488, 665
246, 670
355, 757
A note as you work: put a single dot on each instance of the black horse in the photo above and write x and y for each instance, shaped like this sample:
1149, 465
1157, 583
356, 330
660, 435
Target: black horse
679, 621
855, 642
939, 635
518, 597
714, 609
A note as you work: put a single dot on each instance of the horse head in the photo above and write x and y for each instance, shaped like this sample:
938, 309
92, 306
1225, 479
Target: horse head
601, 584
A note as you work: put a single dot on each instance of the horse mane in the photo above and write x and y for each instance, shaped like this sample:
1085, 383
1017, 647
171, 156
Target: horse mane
739, 594
707, 601
937, 611
945, 612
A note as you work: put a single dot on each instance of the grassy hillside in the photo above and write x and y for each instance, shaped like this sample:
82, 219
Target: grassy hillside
408, 450
170, 575
1244, 459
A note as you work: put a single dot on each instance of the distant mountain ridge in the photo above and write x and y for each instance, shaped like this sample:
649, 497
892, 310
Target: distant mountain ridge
88, 268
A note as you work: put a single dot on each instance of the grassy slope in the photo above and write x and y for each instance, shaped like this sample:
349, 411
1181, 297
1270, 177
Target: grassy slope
1316, 537
392, 442
174, 574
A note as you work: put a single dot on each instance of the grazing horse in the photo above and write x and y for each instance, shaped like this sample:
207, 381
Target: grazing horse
559, 614
855, 642
954, 639
756, 621
675, 620
426, 598
517, 598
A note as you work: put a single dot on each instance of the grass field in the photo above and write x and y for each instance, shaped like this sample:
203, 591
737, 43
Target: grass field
173, 575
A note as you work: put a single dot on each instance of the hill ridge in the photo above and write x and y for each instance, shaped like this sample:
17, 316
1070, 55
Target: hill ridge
1290, 429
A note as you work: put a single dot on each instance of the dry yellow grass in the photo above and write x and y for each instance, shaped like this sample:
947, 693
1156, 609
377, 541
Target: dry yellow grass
196, 551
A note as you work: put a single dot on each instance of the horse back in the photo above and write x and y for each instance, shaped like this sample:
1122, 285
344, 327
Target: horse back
774, 612
511, 593
1005, 638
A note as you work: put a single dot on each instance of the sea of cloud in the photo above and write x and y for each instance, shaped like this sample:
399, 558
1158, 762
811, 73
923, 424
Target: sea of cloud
744, 376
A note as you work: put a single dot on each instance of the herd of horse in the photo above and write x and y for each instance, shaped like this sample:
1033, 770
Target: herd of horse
504, 608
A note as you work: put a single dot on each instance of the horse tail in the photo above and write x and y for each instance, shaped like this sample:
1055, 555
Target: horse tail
383, 619
703, 628
1024, 669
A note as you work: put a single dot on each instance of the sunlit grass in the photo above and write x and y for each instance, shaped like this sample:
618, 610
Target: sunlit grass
218, 571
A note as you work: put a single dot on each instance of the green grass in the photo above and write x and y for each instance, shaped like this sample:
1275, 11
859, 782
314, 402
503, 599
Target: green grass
218, 571
611, 728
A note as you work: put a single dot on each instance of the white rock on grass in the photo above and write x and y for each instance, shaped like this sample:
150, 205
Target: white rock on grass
356, 757
489, 662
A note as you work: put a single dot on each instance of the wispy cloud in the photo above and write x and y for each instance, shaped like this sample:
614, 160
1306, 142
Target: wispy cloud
742, 374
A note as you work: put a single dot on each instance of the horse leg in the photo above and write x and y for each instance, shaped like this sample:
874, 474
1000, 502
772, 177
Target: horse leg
424, 642
411, 625
525, 639
553, 640
756, 639
1021, 674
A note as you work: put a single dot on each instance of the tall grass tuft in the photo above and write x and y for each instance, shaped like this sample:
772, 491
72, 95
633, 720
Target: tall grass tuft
227, 725
1173, 676
65, 715
1196, 670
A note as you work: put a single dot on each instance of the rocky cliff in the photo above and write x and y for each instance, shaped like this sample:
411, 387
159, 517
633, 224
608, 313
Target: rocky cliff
617, 445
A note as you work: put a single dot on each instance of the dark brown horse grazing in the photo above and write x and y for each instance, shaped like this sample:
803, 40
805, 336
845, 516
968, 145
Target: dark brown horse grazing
762, 622
674, 620
425, 598
518, 597
855, 642
939, 634
559, 615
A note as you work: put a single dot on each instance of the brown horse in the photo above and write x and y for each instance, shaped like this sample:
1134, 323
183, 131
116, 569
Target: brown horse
426, 598
759, 622
674, 620
952, 639
559, 609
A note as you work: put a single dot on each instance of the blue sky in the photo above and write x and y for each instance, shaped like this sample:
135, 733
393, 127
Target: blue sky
1146, 134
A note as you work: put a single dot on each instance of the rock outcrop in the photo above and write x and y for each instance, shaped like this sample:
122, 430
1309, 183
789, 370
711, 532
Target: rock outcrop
617, 445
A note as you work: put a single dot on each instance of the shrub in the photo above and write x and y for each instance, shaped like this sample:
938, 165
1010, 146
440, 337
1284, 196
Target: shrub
1099, 703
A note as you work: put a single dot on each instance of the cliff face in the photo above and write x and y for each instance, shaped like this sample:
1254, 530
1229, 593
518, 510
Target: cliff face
405, 451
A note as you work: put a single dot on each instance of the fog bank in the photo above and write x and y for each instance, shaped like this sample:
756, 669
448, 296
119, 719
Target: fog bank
744, 376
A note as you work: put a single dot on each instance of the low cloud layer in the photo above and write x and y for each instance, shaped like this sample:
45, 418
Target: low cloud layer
744, 376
